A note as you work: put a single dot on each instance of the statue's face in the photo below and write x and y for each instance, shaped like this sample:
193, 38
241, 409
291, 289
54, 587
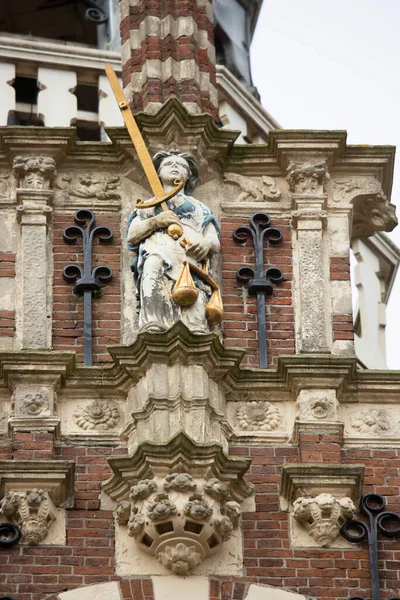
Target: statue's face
172, 168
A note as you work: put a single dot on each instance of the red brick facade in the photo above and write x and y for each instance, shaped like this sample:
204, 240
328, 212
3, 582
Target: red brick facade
240, 310
38, 573
7, 317
68, 307
182, 48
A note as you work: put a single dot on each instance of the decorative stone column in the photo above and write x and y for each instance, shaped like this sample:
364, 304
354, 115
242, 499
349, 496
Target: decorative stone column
168, 51
306, 182
34, 197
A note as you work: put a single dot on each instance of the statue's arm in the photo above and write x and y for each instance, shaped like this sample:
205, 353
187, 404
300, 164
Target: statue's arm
209, 245
140, 229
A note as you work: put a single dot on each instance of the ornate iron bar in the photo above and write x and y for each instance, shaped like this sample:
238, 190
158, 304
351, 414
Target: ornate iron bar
259, 280
95, 13
9, 535
372, 505
87, 281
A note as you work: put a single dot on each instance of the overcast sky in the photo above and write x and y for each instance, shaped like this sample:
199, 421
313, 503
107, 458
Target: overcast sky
334, 64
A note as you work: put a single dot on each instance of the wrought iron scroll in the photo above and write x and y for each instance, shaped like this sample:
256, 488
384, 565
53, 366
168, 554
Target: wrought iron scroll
9, 535
385, 522
95, 13
86, 280
259, 280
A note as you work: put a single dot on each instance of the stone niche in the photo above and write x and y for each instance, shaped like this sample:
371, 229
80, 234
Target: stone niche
319, 498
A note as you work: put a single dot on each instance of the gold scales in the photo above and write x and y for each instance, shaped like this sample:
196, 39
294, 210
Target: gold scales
184, 292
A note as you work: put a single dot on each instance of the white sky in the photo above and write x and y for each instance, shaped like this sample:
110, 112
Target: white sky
334, 64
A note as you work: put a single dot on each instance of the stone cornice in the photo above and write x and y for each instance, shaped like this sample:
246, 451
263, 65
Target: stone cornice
180, 454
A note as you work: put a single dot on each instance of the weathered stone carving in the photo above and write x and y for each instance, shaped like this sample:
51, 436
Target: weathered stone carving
375, 421
265, 190
4, 185
99, 415
312, 405
258, 416
35, 403
183, 528
323, 516
90, 186
34, 172
307, 178
33, 513
371, 210
163, 264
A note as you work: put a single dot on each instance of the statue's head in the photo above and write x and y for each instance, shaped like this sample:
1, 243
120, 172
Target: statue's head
174, 164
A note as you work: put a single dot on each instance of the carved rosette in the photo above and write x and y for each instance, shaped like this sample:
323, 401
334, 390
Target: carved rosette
258, 416
34, 172
178, 520
99, 415
323, 516
307, 178
31, 511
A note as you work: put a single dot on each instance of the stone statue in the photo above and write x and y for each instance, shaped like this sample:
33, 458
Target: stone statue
159, 258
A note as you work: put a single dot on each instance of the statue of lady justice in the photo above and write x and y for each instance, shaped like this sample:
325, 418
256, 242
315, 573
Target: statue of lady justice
171, 272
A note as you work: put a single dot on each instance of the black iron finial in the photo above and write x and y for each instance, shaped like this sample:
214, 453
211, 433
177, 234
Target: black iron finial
259, 280
87, 280
95, 13
385, 522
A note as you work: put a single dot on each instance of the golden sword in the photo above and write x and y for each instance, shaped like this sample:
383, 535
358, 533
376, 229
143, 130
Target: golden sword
144, 156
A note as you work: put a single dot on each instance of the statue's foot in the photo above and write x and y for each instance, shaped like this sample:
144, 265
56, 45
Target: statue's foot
153, 328
199, 331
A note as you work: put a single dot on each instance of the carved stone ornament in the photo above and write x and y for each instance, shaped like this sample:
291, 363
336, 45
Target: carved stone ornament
99, 415
31, 511
102, 187
254, 190
323, 516
4, 185
180, 528
317, 405
372, 211
34, 172
375, 421
307, 178
258, 416
34, 404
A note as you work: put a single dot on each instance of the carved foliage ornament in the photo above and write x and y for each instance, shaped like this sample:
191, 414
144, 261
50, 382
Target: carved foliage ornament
99, 415
179, 521
375, 422
34, 172
317, 407
323, 516
258, 416
307, 178
254, 190
32, 512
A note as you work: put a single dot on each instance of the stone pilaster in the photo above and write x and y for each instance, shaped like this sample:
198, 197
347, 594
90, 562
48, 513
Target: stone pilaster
34, 197
168, 51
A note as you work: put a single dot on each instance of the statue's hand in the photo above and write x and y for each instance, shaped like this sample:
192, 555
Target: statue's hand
166, 218
199, 251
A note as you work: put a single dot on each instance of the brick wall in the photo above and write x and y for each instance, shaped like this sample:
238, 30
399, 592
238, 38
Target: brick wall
7, 317
38, 573
240, 310
68, 307
192, 84
342, 325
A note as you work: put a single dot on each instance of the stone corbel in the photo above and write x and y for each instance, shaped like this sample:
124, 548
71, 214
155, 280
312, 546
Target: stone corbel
319, 498
34, 496
317, 411
372, 212
181, 503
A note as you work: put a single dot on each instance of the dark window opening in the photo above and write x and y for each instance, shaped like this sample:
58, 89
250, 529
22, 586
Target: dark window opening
193, 527
212, 542
147, 540
62, 20
165, 527
88, 97
88, 132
